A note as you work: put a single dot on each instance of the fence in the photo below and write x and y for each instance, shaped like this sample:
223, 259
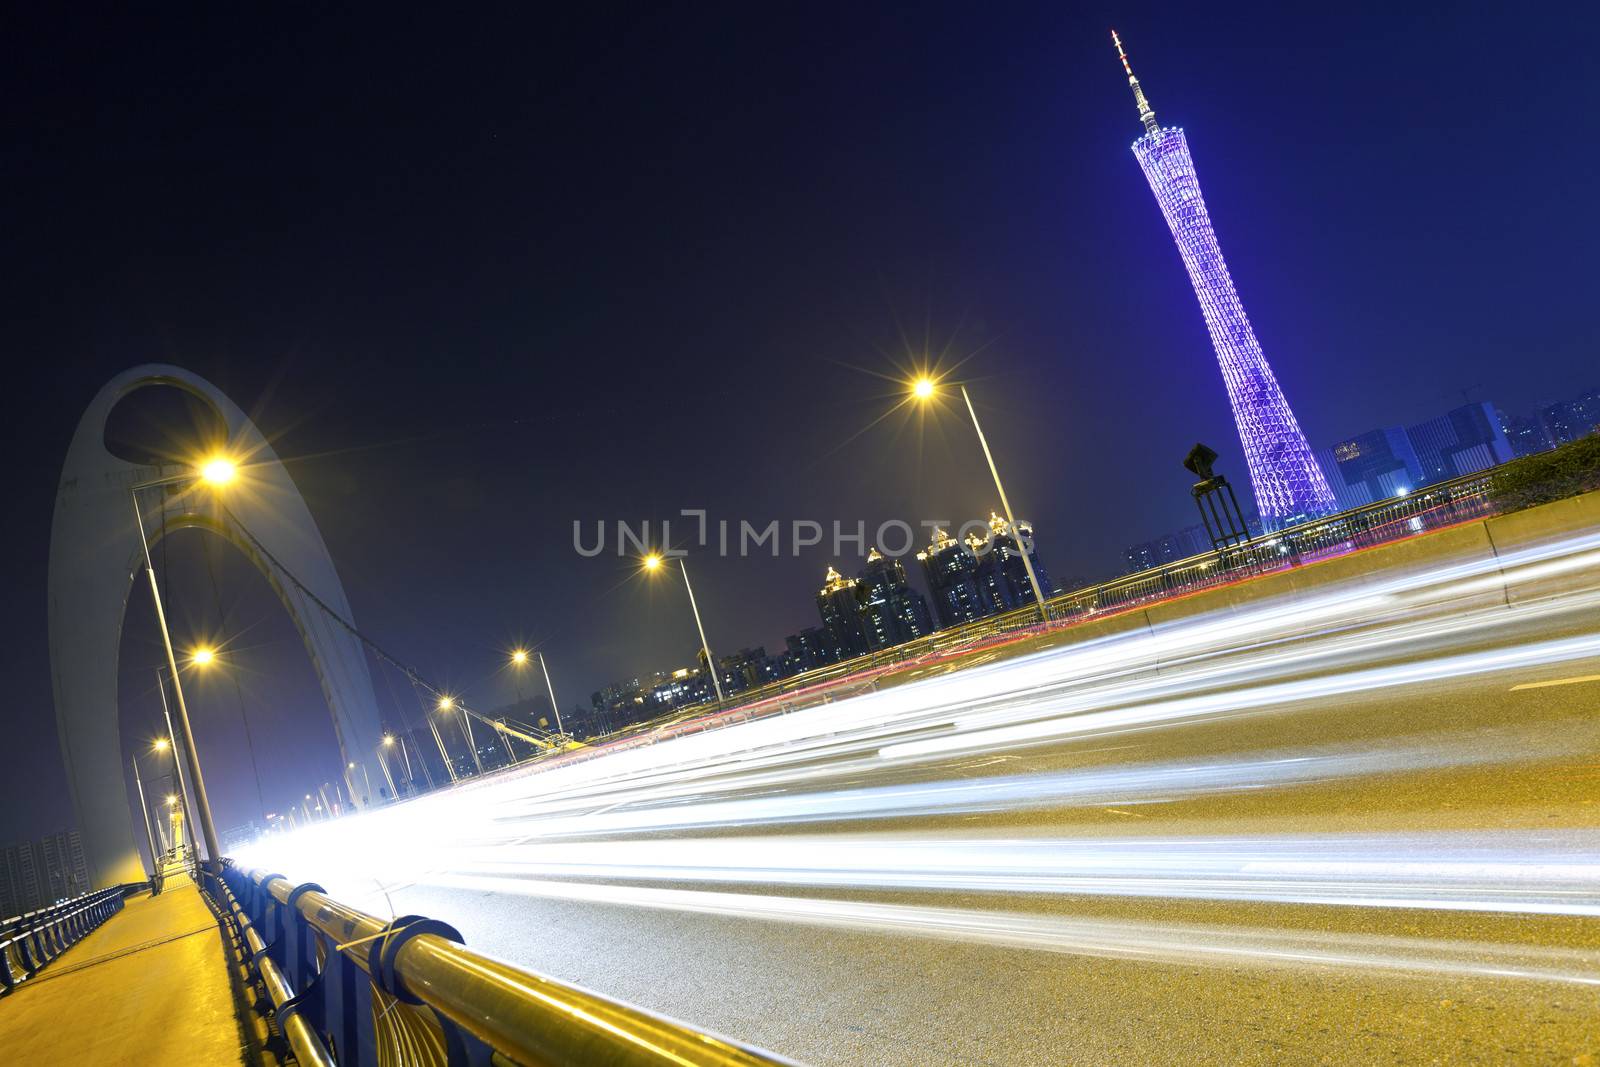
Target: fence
29, 942
353, 990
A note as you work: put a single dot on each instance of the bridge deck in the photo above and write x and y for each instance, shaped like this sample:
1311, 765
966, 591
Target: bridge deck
150, 986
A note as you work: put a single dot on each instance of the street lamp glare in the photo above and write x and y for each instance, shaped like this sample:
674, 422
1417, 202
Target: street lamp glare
203, 656
171, 800
922, 388
652, 561
519, 656
218, 471
446, 703
161, 744
388, 739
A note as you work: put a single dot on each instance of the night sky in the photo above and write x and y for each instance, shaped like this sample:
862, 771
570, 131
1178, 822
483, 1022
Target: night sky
479, 278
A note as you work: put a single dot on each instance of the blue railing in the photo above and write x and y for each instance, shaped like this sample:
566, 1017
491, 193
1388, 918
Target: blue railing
30, 942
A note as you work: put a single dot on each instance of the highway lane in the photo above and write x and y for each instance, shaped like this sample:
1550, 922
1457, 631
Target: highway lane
1362, 832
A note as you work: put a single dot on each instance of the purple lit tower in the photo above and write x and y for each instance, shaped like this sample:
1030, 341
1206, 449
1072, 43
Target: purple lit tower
1288, 484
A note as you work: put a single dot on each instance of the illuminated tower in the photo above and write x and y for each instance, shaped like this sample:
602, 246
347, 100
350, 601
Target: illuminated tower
1288, 483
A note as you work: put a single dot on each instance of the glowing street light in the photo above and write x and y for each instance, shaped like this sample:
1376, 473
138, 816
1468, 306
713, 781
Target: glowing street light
160, 744
203, 656
519, 659
923, 390
448, 703
652, 563
218, 471
388, 740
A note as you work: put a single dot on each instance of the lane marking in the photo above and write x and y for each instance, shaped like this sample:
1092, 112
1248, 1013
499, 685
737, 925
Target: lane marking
1557, 681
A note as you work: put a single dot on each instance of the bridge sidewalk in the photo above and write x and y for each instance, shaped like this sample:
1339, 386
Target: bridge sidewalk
150, 986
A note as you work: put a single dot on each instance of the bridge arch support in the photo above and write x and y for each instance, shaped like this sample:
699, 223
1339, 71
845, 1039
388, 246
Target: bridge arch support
95, 556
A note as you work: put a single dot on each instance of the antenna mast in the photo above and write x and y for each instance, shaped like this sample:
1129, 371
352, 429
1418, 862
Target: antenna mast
1146, 116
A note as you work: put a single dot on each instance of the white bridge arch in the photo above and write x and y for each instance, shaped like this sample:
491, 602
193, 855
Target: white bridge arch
95, 556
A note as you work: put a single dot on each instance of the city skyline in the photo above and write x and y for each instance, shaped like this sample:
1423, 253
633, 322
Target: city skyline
421, 429
716, 535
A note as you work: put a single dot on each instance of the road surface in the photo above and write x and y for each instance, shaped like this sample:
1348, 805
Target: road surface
1356, 827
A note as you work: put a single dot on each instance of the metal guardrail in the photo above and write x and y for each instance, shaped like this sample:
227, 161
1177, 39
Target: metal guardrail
29, 942
1430, 508
362, 992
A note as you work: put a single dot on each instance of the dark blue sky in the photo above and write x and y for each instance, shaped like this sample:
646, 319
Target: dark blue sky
480, 278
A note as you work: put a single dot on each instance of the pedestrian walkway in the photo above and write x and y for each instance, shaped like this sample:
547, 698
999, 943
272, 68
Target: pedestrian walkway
150, 986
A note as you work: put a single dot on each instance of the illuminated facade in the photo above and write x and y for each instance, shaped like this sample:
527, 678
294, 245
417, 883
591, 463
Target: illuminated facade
1288, 484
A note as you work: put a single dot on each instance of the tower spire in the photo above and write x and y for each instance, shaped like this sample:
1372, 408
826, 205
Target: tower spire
1146, 116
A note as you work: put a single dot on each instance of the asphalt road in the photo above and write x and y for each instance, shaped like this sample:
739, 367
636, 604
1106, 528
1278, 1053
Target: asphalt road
1367, 834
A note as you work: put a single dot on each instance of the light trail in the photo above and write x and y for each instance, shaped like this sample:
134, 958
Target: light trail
1171, 943
619, 827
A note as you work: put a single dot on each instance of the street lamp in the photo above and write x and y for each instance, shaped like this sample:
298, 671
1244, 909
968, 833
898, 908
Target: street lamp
149, 833
652, 563
519, 660
216, 471
923, 390
447, 704
366, 779
203, 656
164, 744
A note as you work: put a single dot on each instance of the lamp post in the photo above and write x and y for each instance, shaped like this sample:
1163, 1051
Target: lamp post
924, 390
366, 780
383, 765
519, 660
163, 744
144, 812
447, 704
216, 472
652, 563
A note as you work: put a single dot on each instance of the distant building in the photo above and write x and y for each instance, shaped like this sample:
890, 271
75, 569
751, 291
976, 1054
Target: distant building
952, 573
686, 685
892, 612
1459, 442
1170, 548
1372, 466
1572, 420
36, 873
1002, 576
1527, 436
809, 649
748, 668
841, 614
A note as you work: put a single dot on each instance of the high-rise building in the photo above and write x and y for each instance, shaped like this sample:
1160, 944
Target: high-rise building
1180, 544
36, 873
1371, 466
951, 570
892, 612
1526, 435
1001, 575
1459, 442
841, 614
809, 649
1572, 420
1288, 484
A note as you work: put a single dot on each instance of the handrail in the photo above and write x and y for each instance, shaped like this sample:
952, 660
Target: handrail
468, 1000
30, 941
308, 1047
